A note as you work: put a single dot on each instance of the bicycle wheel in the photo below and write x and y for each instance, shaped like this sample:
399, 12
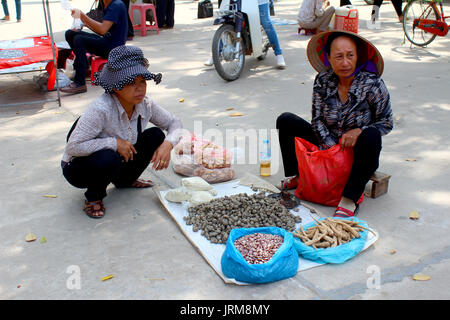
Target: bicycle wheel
418, 9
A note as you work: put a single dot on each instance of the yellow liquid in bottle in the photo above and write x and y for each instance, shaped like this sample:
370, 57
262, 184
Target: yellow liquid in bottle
264, 168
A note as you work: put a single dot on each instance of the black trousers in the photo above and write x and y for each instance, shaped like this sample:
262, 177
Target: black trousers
130, 24
96, 171
366, 152
396, 3
82, 42
165, 11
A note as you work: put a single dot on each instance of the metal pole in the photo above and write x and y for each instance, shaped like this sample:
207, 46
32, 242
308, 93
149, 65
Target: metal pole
49, 21
45, 16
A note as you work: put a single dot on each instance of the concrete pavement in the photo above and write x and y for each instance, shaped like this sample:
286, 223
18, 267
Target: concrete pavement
139, 243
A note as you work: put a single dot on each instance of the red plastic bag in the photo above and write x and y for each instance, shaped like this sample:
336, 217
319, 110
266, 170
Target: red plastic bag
323, 174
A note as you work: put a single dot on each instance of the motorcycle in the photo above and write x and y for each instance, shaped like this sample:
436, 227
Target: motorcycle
240, 34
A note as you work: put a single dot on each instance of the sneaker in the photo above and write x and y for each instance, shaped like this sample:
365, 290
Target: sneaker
6, 18
280, 62
74, 88
209, 62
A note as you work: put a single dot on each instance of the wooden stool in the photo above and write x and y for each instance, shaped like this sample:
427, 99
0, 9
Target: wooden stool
143, 7
97, 64
380, 184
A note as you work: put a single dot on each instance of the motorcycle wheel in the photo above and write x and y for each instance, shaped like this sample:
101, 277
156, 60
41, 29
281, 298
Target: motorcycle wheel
266, 44
223, 52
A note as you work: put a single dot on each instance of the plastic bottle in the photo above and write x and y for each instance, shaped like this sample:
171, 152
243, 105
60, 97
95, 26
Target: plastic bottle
264, 159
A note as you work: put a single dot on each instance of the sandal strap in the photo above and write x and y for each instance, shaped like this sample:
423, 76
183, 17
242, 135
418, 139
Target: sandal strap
344, 213
90, 207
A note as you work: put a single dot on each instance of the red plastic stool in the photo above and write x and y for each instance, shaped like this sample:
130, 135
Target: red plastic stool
97, 64
143, 7
307, 31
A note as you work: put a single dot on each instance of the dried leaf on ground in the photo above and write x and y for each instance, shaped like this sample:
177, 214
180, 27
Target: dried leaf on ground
181, 100
411, 160
43, 240
421, 277
50, 196
236, 114
229, 109
414, 215
30, 237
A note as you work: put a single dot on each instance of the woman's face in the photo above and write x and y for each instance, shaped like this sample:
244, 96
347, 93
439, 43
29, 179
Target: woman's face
343, 56
133, 93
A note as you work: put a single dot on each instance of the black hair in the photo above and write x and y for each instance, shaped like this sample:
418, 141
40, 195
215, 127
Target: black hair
335, 35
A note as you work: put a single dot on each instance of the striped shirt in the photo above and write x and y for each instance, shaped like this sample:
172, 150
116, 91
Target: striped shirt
368, 105
106, 119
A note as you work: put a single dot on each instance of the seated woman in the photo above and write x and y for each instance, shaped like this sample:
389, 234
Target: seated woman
110, 33
107, 144
351, 106
315, 15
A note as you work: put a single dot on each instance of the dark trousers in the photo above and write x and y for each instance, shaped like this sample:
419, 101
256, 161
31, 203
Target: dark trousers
130, 25
82, 42
366, 152
96, 171
396, 3
18, 9
165, 11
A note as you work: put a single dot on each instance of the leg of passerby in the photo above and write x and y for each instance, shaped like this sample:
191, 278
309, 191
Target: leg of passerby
130, 34
398, 9
264, 15
375, 15
5, 10
170, 14
18, 10
161, 9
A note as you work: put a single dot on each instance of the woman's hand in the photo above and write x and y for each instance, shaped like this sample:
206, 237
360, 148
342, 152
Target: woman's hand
161, 157
349, 138
125, 149
76, 13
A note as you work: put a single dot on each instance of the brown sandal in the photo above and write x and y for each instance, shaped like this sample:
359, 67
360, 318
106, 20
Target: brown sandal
94, 209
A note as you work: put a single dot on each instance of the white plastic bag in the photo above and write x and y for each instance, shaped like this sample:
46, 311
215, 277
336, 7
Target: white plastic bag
77, 24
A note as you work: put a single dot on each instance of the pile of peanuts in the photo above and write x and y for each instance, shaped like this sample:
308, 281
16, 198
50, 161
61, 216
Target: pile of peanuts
258, 248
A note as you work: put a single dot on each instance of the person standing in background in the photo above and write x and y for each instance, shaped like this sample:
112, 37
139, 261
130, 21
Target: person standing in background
165, 11
18, 11
130, 34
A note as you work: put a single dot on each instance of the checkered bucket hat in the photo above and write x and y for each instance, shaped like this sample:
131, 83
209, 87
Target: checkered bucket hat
125, 64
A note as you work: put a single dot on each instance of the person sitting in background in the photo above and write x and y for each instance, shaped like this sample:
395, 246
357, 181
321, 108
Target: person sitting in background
110, 33
315, 15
